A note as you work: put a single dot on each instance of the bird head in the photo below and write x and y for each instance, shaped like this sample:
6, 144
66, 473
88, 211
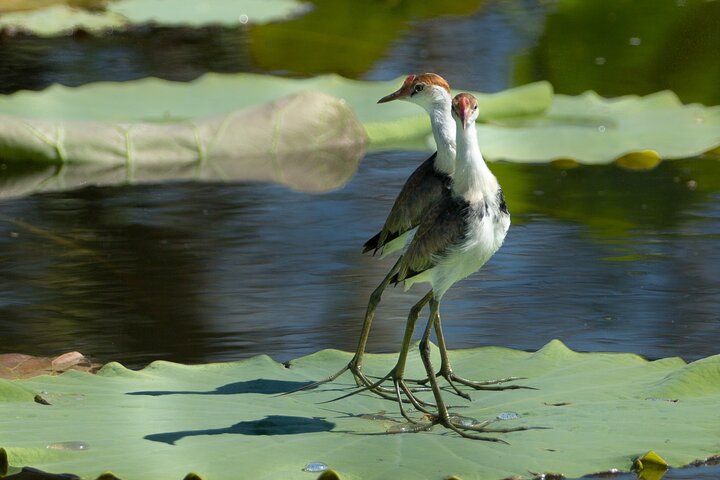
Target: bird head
426, 90
464, 109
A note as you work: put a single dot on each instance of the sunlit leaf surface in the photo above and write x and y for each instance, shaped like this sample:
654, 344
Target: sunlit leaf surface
60, 18
523, 124
595, 130
603, 411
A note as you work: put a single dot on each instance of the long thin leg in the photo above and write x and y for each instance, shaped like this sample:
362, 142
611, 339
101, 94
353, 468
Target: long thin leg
375, 298
409, 328
398, 371
397, 374
443, 353
443, 417
446, 370
355, 363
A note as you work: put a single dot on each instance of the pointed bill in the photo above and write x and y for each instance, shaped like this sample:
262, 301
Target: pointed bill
403, 91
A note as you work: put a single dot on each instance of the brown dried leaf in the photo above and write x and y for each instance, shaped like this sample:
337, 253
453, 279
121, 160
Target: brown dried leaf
18, 365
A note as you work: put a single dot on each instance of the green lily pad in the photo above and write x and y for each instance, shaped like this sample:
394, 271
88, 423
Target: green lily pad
603, 411
119, 14
157, 100
172, 127
594, 130
218, 127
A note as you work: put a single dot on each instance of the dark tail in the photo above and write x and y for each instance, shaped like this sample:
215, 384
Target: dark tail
375, 243
402, 275
372, 244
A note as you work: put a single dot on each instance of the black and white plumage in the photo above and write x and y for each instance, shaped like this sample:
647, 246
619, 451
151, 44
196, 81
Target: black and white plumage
461, 231
427, 183
425, 186
457, 236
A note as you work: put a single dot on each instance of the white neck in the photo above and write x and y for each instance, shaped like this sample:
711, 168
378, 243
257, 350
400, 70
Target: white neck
473, 180
443, 128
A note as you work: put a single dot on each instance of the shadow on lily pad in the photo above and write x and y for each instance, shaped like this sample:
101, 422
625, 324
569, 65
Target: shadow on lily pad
270, 425
260, 385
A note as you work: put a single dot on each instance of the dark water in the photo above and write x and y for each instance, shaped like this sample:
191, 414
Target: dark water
601, 258
704, 472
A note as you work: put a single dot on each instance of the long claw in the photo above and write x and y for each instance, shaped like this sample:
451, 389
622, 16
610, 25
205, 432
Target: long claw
486, 385
362, 389
417, 403
463, 433
312, 385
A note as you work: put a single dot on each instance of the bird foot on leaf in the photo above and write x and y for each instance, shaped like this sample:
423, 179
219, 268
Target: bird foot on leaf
361, 380
466, 427
488, 385
400, 393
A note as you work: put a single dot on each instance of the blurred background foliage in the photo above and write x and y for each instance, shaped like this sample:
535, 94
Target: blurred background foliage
620, 47
617, 47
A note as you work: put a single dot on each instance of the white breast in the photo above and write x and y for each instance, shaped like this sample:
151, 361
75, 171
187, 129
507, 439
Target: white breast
485, 236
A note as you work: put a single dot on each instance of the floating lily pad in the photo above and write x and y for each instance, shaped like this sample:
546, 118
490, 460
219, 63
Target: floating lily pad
120, 14
594, 130
164, 101
218, 127
523, 124
603, 411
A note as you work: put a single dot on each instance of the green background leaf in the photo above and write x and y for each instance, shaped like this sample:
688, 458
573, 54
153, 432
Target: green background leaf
616, 47
118, 14
603, 411
342, 37
523, 124
594, 130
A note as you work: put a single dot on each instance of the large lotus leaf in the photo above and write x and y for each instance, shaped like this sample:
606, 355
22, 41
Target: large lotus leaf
154, 129
59, 18
152, 99
308, 141
591, 129
227, 420
523, 124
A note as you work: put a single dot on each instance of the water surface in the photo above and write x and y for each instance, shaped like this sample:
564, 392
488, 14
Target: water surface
601, 258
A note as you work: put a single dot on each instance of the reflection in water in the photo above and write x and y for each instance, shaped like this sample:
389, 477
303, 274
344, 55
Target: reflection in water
603, 46
344, 37
179, 54
603, 259
308, 141
699, 472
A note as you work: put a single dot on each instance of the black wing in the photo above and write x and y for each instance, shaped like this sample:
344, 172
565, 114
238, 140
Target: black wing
444, 226
422, 189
